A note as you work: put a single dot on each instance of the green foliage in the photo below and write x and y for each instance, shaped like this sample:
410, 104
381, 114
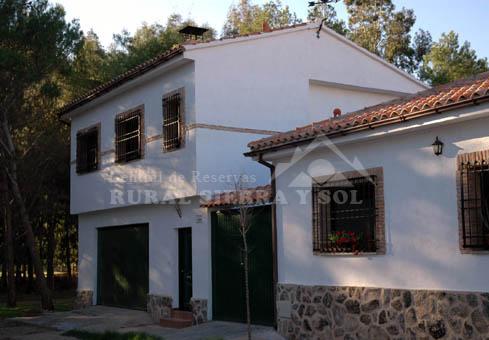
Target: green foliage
85, 335
246, 17
37, 49
30, 305
379, 28
147, 42
448, 60
37, 42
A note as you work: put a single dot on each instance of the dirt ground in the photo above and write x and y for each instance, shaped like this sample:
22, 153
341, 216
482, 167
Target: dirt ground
17, 330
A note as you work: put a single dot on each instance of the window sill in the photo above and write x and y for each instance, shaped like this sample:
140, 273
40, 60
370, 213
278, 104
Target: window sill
120, 162
82, 173
172, 150
474, 251
339, 254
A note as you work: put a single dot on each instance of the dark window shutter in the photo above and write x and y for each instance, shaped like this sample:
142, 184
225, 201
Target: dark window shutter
87, 150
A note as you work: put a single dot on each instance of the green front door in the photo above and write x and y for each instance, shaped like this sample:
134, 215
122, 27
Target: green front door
123, 266
227, 267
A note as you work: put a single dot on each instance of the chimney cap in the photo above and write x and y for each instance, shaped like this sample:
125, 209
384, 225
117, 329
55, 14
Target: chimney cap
336, 112
193, 30
266, 27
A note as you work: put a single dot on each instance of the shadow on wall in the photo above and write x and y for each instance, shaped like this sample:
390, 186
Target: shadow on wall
421, 220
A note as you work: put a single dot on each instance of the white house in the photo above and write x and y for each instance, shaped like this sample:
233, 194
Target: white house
149, 144
383, 219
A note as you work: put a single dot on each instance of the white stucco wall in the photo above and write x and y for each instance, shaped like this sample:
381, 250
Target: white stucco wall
420, 212
324, 99
157, 170
163, 246
263, 82
220, 157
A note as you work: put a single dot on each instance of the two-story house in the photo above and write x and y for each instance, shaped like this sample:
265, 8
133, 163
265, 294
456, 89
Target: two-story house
149, 144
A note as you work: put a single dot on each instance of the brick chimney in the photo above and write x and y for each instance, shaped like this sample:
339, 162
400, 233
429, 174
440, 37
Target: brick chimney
336, 112
266, 27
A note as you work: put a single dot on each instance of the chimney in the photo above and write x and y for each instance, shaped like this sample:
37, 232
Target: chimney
193, 32
266, 27
336, 112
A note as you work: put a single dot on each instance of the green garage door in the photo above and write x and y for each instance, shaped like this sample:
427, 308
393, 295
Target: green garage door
123, 266
227, 267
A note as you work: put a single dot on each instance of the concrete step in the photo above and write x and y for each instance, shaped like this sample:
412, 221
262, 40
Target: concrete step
181, 314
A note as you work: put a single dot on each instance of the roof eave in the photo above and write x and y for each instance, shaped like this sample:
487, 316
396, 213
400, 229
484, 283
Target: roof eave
116, 82
372, 125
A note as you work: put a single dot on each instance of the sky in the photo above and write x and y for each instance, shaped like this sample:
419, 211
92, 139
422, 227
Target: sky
106, 17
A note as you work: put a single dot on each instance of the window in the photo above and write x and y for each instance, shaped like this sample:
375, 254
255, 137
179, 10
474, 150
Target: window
173, 128
474, 201
129, 135
348, 214
87, 150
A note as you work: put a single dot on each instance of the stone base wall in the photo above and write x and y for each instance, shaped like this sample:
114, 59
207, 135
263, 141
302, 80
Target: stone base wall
159, 307
199, 311
320, 312
84, 299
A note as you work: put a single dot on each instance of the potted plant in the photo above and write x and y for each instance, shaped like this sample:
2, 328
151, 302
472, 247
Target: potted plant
344, 241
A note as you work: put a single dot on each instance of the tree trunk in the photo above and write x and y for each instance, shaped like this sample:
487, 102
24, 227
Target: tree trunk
4, 273
50, 255
46, 297
30, 275
11, 172
9, 254
247, 286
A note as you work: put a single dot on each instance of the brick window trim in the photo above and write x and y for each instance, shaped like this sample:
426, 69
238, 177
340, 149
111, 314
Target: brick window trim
126, 114
98, 127
183, 130
469, 157
378, 172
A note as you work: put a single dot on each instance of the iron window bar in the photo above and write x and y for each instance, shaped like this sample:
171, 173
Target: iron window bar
474, 203
128, 137
330, 218
172, 122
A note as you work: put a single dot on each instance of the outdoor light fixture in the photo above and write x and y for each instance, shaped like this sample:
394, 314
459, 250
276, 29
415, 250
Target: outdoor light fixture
437, 147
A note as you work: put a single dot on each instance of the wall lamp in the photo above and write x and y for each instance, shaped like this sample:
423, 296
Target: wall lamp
437, 147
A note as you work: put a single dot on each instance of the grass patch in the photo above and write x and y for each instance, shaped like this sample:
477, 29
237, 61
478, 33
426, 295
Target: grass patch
84, 335
30, 304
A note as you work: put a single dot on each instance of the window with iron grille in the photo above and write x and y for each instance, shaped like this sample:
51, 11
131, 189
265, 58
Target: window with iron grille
87, 150
474, 202
172, 122
345, 216
128, 136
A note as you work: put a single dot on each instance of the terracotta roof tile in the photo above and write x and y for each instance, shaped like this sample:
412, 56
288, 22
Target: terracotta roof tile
253, 196
444, 97
121, 79
147, 66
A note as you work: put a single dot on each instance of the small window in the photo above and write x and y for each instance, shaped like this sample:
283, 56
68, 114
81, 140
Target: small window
345, 216
172, 122
128, 136
474, 203
87, 150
